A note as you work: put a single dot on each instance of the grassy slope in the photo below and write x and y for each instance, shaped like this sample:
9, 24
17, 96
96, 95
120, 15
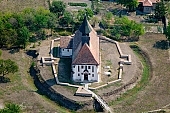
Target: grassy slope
21, 89
156, 93
18, 5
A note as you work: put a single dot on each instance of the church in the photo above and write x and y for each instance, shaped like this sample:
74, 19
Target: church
83, 48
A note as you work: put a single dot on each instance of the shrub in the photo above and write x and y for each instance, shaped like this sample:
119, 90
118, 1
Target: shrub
77, 4
64, 33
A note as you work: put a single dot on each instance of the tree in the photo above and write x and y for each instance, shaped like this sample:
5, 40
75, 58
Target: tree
7, 66
130, 4
52, 21
160, 10
23, 36
81, 13
109, 16
58, 7
126, 27
167, 32
66, 19
11, 108
8, 37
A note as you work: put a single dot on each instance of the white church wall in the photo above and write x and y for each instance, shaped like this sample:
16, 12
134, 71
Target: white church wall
78, 72
66, 52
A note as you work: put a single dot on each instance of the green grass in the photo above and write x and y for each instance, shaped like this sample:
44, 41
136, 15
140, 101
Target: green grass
77, 4
130, 95
59, 108
108, 62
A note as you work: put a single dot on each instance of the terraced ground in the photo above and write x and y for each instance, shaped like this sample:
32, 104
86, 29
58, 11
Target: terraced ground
156, 93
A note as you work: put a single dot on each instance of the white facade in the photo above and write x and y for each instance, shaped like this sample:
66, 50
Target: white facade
88, 73
66, 52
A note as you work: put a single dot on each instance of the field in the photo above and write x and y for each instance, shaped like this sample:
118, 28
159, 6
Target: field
156, 93
19, 5
21, 89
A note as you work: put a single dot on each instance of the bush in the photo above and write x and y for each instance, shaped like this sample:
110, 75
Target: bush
64, 33
77, 4
11, 108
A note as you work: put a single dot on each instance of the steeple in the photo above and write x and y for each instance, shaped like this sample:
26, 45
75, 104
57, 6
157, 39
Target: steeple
85, 27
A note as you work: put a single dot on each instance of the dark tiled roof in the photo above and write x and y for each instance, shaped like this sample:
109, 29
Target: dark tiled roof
85, 27
93, 44
66, 42
85, 56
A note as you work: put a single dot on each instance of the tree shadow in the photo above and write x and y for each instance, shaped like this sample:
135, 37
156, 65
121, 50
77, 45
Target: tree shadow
14, 50
4, 79
162, 44
32, 53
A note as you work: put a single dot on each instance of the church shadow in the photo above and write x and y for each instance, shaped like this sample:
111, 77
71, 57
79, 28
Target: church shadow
162, 44
64, 70
56, 51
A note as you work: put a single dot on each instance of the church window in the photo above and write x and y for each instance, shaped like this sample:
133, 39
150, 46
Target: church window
92, 75
78, 68
92, 68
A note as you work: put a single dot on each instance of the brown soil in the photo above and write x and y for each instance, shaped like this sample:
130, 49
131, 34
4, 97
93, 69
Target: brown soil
156, 94
21, 89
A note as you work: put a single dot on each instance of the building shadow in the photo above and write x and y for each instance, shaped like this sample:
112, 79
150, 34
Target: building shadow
162, 44
64, 70
56, 52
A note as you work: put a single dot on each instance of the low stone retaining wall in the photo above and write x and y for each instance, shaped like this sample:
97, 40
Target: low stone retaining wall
132, 82
45, 89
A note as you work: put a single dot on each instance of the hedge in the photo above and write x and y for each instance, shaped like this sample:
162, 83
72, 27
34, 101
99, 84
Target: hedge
77, 4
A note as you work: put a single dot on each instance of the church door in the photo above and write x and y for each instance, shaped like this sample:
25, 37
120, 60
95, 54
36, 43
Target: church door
85, 76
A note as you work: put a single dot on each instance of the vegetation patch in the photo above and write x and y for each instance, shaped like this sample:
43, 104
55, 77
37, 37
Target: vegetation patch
64, 33
77, 4
130, 94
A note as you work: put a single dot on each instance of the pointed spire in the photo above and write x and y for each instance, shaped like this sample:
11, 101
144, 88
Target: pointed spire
85, 27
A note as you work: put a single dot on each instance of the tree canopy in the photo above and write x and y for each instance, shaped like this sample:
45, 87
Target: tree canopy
130, 4
58, 7
7, 66
66, 19
160, 10
81, 13
18, 28
125, 27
